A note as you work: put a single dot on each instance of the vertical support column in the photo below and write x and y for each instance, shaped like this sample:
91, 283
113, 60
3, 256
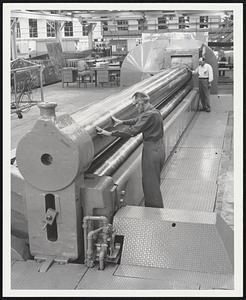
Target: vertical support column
90, 27
58, 27
41, 84
13, 39
15, 87
90, 40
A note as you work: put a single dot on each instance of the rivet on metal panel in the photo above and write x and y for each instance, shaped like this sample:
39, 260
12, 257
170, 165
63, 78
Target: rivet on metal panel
121, 201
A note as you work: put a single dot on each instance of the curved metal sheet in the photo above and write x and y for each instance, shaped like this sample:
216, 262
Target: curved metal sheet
151, 57
142, 61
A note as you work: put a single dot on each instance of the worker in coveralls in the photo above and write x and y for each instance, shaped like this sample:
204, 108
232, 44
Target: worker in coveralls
205, 74
149, 123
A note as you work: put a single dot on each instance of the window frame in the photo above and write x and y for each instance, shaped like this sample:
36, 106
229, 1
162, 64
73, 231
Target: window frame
18, 30
68, 29
162, 23
105, 25
184, 23
33, 30
50, 29
142, 24
122, 25
203, 24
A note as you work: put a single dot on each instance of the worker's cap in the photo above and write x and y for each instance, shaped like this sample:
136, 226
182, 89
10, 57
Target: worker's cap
201, 59
141, 95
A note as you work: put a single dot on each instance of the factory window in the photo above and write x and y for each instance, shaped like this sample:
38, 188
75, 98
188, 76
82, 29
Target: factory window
122, 25
87, 28
33, 28
68, 28
18, 31
161, 23
84, 28
105, 25
142, 24
184, 22
204, 22
50, 25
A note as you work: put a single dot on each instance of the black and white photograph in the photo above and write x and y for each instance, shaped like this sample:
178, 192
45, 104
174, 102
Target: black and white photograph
123, 149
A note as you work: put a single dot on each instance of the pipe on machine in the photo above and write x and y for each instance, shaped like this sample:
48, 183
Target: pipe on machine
61, 147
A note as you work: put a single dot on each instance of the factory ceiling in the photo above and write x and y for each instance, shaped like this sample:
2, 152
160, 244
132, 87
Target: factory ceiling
93, 16
114, 14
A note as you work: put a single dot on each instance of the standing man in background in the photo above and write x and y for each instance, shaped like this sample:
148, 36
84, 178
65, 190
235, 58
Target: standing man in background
222, 64
149, 123
205, 74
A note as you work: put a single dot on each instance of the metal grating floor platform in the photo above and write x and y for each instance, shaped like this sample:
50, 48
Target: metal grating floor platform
189, 183
190, 179
175, 239
195, 164
108, 280
189, 195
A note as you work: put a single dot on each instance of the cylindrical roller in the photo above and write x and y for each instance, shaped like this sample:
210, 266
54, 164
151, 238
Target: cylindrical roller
114, 162
52, 155
58, 149
159, 87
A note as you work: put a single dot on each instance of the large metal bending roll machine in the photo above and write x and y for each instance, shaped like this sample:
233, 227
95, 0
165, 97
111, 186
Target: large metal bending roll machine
79, 188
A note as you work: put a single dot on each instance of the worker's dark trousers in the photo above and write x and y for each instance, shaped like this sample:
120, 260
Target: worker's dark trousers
153, 158
204, 93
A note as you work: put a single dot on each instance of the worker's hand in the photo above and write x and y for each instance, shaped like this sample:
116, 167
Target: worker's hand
188, 68
116, 121
209, 85
102, 131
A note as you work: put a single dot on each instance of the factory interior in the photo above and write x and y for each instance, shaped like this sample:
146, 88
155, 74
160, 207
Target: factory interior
79, 218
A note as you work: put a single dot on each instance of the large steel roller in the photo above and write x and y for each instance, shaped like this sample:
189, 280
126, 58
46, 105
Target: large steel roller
111, 165
159, 87
60, 147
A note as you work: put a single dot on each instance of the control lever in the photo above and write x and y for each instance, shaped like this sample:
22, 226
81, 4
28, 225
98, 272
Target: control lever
49, 217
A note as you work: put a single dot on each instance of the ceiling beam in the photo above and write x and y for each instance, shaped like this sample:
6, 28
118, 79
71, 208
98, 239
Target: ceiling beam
40, 15
100, 15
